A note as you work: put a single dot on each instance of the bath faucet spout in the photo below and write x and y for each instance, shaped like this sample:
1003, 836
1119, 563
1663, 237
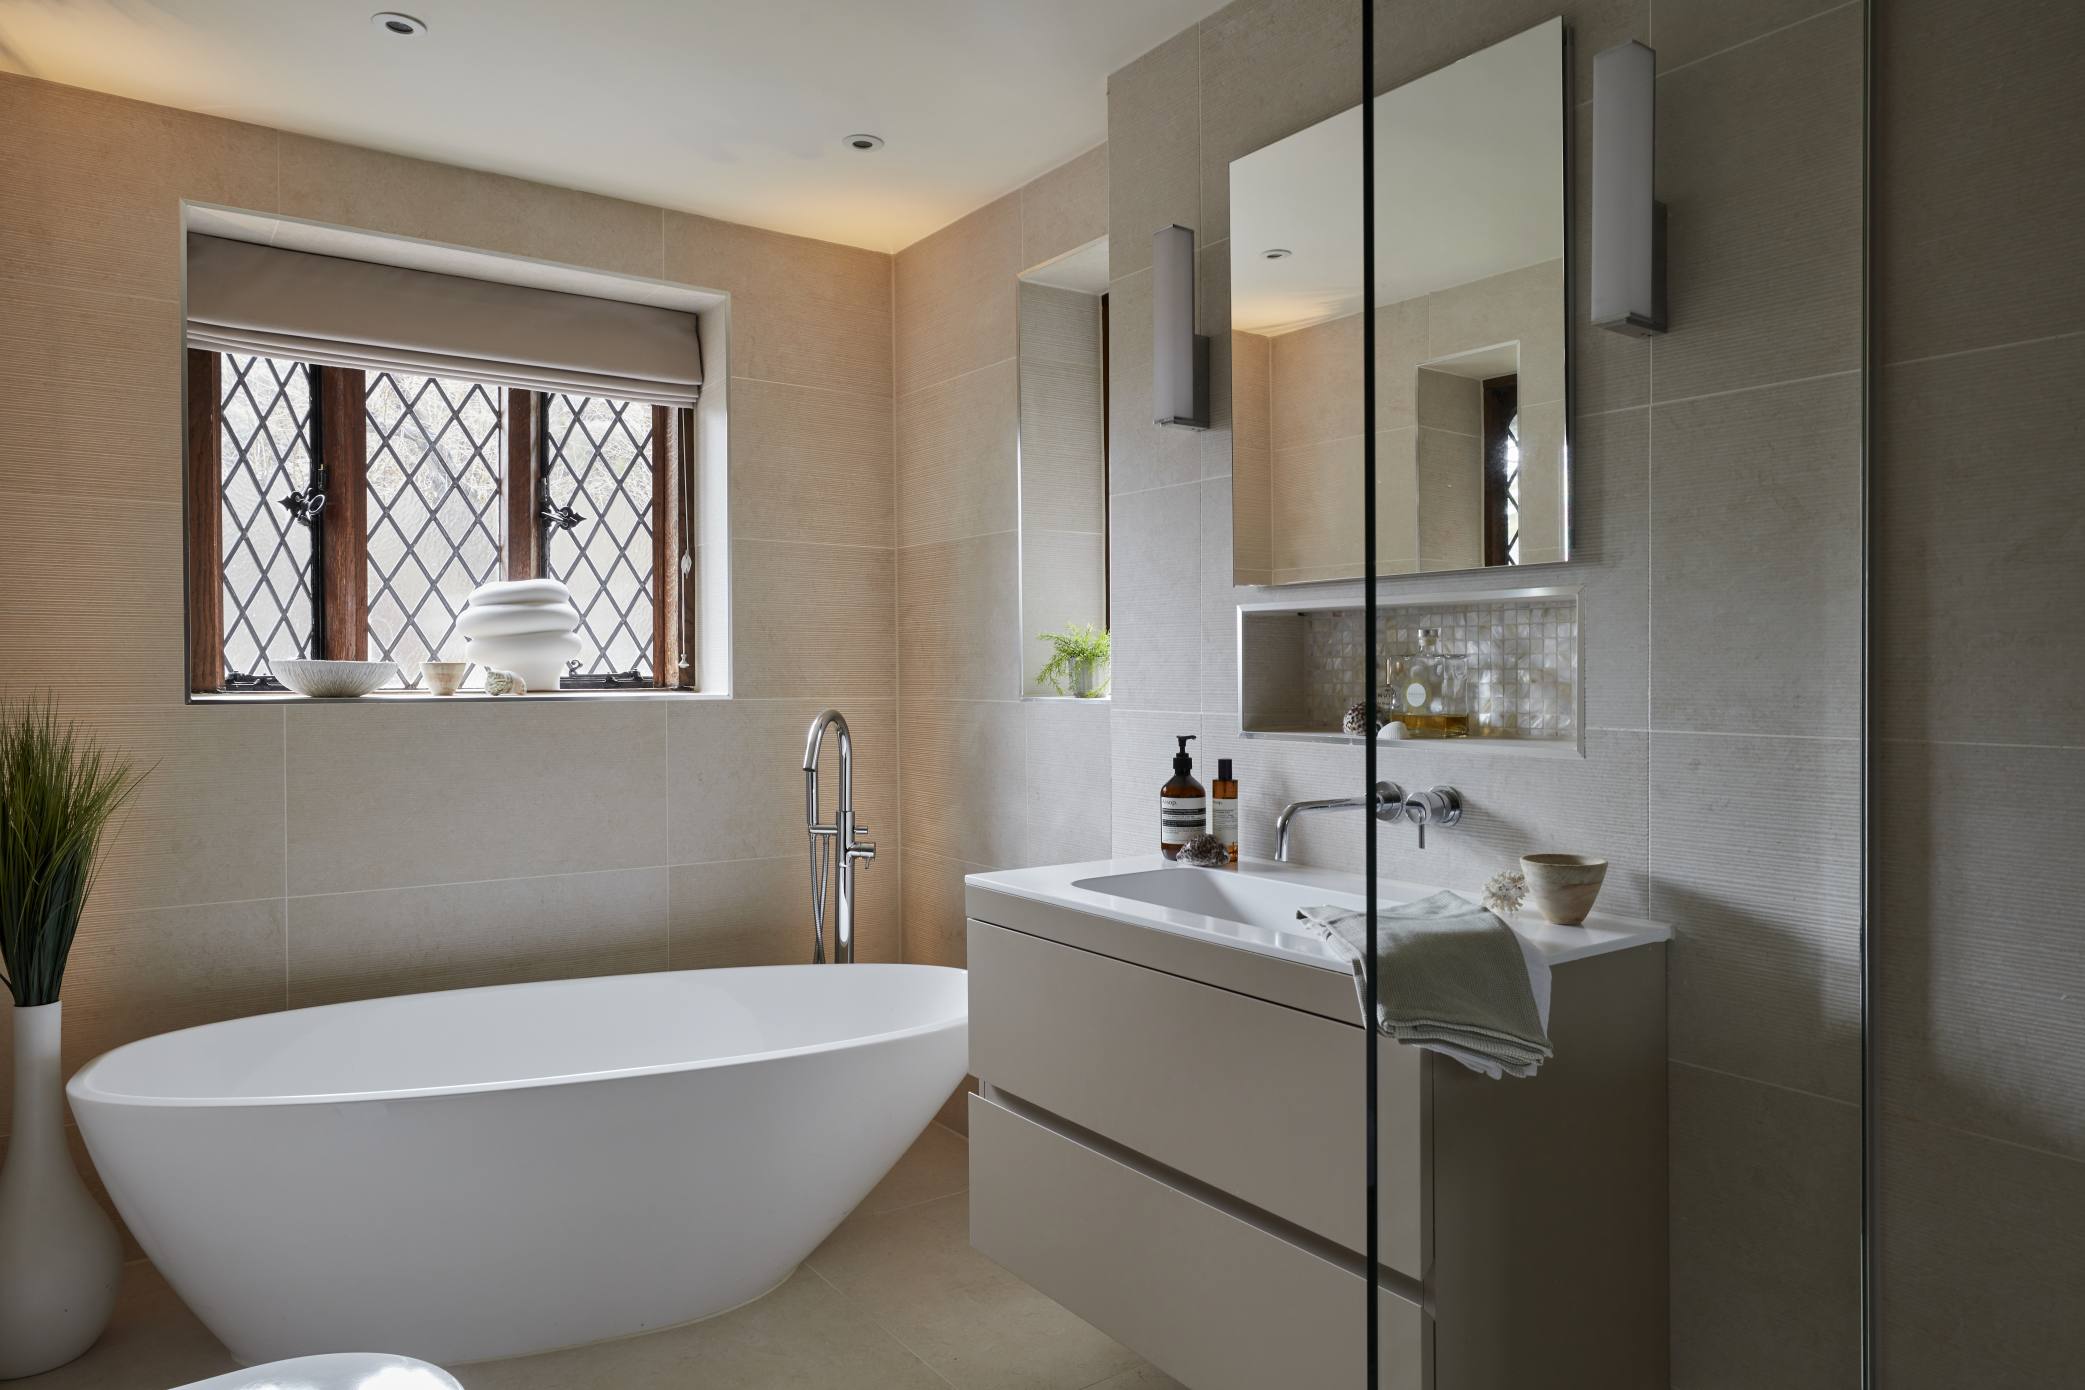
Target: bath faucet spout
836, 849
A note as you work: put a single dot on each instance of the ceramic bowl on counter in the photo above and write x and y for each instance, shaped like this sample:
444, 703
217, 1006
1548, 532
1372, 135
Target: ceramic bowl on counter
333, 680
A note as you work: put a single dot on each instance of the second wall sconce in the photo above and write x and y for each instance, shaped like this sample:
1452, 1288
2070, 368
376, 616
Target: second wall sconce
1179, 355
1628, 293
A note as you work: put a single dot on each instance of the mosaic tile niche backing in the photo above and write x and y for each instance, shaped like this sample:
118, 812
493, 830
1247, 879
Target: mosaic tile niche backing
1522, 655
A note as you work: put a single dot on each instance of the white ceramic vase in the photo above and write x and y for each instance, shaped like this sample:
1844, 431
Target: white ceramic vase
60, 1258
524, 626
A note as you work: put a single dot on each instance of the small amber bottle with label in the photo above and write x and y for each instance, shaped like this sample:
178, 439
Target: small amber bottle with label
1223, 808
1183, 809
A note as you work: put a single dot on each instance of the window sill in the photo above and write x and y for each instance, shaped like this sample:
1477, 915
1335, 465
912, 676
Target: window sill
461, 697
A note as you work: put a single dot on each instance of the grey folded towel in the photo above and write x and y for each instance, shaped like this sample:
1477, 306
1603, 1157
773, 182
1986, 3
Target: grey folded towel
1453, 978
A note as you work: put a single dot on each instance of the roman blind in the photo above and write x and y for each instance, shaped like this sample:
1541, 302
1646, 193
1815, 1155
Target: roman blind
248, 298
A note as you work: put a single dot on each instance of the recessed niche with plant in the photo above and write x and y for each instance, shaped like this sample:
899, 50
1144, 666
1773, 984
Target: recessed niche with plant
368, 444
1078, 663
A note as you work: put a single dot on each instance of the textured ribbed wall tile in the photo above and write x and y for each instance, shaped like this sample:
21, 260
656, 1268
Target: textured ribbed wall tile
64, 429
1154, 149
1269, 69
410, 794
1690, 30
934, 920
758, 912
1755, 859
1141, 454
1978, 186
734, 788
1219, 601
955, 296
1063, 433
1065, 208
1610, 550
1156, 539
958, 461
1422, 35
811, 465
1755, 561
464, 935
1063, 582
963, 786
1524, 306
1981, 1007
1070, 774
1766, 1220
91, 599
1978, 491
1141, 748
958, 602
814, 620
1315, 384
94, 186
351, 186
806, 312
1980, 1262
1759, 166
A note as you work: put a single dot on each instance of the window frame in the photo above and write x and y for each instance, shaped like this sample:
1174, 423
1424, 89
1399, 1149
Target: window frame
340, 580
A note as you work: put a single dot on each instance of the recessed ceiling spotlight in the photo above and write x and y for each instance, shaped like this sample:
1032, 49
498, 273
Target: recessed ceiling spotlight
1277, 253
392, 22
863, 142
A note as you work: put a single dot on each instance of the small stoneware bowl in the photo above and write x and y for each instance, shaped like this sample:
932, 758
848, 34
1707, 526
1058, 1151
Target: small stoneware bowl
1563, 885
444, 677
332, 680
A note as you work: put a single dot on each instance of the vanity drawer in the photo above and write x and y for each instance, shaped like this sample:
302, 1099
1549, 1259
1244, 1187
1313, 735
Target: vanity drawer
1258, 1100
1215, 1301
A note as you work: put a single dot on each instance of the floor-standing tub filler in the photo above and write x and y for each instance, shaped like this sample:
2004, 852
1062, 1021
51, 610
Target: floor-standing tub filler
489, 1172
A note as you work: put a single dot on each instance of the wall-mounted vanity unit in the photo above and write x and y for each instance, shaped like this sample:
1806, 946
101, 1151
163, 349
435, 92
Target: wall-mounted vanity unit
1168, 1140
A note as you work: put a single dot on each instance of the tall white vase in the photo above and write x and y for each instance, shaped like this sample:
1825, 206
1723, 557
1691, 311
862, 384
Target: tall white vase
60, 1258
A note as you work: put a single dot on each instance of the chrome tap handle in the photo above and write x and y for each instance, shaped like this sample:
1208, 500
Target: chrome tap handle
1440, 806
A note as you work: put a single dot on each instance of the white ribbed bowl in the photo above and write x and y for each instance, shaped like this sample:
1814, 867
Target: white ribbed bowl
333, 680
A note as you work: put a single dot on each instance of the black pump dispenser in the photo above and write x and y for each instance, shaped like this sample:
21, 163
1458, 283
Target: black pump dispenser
1183, 807
1181, 762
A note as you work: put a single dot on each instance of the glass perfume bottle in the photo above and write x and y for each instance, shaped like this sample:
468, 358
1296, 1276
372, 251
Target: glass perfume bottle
1430, 690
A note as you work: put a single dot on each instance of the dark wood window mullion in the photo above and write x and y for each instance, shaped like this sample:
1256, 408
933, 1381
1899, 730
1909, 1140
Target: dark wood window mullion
205, 526
524, 428
666, 580
344, 523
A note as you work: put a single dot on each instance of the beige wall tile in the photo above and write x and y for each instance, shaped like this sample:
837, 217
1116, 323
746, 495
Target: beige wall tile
1980, 1262
1065, 208
464, 935
1755, 857
955, 296
356, 187
1450, 473
1063, 582
815, 620
1690, 30
964, 778
1220, 596
1269, 69
758, 912
1141, 454
1759, 166
958, 605
1976, 462
1979, 971
810, 313
1979, 116
1069, 774
1314, 385
1314, 507
1156, 570
734, 788
1765, 1235
65, 429
1524, 306
958, 456
1154, 149
1611, 550
406, 795
1063, 438
934, 921
809, 464
95, 185
1755, 570
1416, 37
91, 599
1449, 402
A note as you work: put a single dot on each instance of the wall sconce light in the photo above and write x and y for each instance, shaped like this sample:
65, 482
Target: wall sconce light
1628, 221
1179, 355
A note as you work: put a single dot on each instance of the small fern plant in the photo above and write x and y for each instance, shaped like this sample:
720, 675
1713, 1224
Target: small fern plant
58, 793
1078, 661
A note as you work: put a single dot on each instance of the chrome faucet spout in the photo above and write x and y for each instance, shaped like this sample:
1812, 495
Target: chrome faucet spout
1387, 802
836, 849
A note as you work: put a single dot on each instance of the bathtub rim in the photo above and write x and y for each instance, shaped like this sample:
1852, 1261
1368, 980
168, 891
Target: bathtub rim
82, 1087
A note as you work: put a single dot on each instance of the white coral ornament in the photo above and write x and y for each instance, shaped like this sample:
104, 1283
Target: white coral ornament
1504, 893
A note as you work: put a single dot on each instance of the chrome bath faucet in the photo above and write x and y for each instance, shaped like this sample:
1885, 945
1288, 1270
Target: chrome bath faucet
835, 850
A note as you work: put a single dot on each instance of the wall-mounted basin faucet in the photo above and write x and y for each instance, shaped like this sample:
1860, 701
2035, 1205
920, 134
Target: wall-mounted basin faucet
1440, 806
1388, 804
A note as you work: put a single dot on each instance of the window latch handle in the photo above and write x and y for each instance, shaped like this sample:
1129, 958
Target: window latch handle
305, 505
564, 518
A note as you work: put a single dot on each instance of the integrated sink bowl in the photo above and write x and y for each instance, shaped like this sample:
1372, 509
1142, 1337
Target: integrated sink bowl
1256, 900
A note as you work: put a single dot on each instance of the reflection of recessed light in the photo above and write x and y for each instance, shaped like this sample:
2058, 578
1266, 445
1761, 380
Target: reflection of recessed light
392, 22
864, 143
1277, 253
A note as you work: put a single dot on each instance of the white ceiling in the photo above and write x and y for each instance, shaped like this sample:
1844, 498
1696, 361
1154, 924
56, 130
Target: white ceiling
732, 108
1469, 183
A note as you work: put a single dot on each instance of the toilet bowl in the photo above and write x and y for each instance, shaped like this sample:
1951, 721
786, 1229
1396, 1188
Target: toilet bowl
355, 1370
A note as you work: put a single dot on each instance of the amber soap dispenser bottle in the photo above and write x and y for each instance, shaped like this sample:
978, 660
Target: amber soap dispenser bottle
1223, 808
1183, 809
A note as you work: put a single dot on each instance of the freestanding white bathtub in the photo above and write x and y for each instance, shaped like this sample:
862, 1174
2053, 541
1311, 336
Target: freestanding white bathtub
489, 1172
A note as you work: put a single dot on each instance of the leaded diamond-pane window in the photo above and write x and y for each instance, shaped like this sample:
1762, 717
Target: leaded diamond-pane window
597, 485
266, 454
433, 472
